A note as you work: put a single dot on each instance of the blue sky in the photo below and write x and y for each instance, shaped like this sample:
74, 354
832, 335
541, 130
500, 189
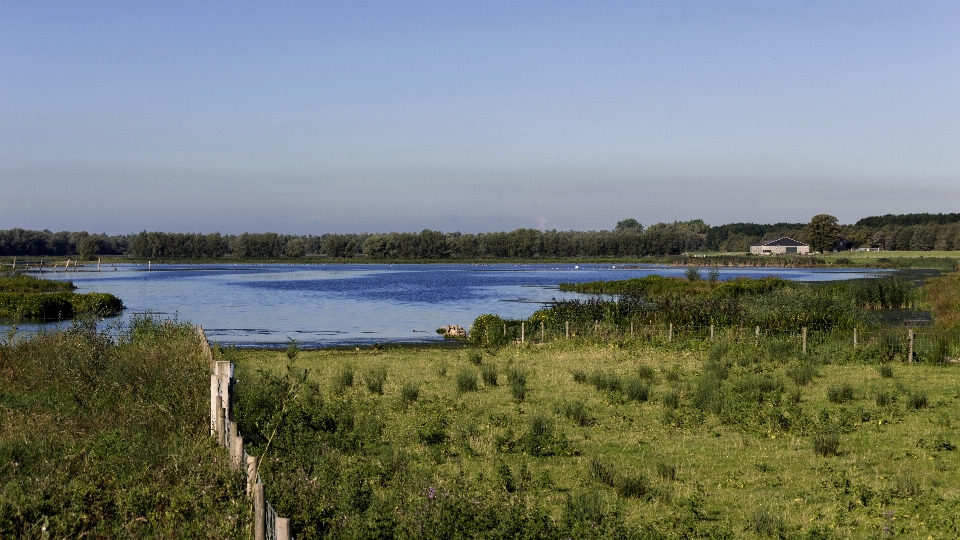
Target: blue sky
321, 117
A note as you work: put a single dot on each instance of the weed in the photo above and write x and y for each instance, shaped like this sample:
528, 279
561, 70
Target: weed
475, 357
826, 443
602, 380
886, 371
603, 473
488, 372
579, 376
666, 471
802, 374
636, 389
342, 380
632, 485
647, 373
840, 394
766, 523
518, 383
374, 378
576, 411
671, 400
883, 399
917, 400
466, 380
409, 393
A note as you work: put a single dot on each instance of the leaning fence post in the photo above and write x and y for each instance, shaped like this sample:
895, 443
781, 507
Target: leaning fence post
804, 340
910, 336
259, 513
251, 473
283, 528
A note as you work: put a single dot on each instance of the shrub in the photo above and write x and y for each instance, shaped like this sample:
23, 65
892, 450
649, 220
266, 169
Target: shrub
576, 411
886, 371
579, 376
633, 485
917, 400
826, 443
603, 473
409, 393
541, 438
374, 378
671, 399
636, 389
488, 372
647, 373
883, 399
602, 380
802, 373
433, 429
467, 380
475, 357
840, 394
765, 523
666, 471
518, 383
342, 380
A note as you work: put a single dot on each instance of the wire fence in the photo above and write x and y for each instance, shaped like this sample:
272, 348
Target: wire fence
922, 343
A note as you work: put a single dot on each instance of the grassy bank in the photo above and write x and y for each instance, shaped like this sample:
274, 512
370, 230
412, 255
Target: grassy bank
588, 440
27, 297
107, 438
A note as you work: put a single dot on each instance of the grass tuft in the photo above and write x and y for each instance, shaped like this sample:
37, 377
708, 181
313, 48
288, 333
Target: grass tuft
466, 380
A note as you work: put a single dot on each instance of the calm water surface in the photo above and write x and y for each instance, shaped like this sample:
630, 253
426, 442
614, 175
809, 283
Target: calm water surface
337, 304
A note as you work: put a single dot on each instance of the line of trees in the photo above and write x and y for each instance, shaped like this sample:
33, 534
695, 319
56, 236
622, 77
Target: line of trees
914, 232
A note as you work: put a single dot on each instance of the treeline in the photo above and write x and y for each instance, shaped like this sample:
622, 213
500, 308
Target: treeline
909, 232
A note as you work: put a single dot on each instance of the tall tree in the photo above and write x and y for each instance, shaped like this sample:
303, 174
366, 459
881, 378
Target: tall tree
822, 232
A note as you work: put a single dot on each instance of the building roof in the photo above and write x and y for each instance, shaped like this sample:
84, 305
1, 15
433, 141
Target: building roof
782, 241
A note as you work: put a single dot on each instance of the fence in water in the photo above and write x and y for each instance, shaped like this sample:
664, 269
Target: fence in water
266, 524
912, 344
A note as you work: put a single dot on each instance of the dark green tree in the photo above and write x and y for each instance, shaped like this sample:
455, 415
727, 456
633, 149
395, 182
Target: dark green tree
630, 225
822, 233
89, 248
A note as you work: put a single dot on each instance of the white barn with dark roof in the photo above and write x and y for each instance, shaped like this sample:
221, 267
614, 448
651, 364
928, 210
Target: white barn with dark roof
780, 246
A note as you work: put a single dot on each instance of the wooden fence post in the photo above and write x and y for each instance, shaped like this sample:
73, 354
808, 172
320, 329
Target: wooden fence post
711, 332
670, 333
567, 325
910, 336
251, 473
631, 330
283, 528
259, 513
218, 420
504, 331
543, 333
854, 337
523, 332
756, 336
236, 451
804, 340
596, 327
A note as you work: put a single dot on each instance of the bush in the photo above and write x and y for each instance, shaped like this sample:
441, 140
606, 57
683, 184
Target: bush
666, 471
541, 438
886, 371
375, 377
576, 411
475, 357
840, 394
603, 473
802, 374
579, 376
488, 372
342, 380
602, 380
636, 389
826, 443
917, 400
634, 486
409, 393
518, 383
647, 373
765, 523
466, 380
671, 400
883, 399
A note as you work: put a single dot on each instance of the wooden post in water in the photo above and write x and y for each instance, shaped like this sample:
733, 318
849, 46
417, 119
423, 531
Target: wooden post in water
98, 265
910, 354
567, 325
259, 513
670, 333
251, 473
283, 528
523, 332
804, 340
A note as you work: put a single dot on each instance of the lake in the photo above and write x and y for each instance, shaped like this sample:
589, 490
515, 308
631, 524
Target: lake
265, 305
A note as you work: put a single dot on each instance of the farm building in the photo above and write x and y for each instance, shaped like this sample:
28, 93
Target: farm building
780, 246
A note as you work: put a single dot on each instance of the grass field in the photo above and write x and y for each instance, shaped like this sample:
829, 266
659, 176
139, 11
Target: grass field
734, 442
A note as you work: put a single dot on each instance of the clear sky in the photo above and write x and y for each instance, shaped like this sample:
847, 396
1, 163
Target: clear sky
313, 117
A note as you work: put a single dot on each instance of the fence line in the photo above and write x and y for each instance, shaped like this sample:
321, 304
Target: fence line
921, 343
266, 524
